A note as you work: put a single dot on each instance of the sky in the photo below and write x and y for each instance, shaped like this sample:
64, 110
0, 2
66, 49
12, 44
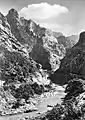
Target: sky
66, 16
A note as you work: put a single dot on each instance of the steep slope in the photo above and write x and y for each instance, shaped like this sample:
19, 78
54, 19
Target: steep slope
72, 40
15, 63
73, 64
68, 42
14, 57
21, 76
41, 43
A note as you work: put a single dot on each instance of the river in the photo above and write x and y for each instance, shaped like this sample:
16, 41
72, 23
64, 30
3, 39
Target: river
41, 106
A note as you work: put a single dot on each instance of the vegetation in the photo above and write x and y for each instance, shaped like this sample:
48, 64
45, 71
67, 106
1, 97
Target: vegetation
17, 67
73, 105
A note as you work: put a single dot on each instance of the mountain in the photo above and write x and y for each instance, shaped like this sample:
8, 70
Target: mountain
72, 73
20, 76
14, 57
26, 49
73, 64
68, 42
28, 54
44, 46
73, 39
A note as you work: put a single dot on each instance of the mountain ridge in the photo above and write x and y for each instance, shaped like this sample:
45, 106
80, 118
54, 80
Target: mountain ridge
72, 65
28, 55
33, 36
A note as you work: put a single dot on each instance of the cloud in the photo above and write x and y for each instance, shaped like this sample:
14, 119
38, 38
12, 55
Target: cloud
66, 29
47, 16
52, 26
42, 11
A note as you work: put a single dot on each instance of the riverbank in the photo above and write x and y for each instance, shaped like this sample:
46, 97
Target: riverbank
41, 104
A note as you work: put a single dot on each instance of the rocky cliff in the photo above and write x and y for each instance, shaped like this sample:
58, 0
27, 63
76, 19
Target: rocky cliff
44, 46
27, 53
20, 76
73, 64
15, 63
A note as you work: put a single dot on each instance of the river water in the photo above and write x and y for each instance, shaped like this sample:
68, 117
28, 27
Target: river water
42, 107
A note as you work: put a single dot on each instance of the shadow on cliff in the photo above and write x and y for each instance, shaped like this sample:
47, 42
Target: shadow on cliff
73, 64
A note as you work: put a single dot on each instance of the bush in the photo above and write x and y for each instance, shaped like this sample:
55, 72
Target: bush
38, 89
74, 88
24, 91
17, 67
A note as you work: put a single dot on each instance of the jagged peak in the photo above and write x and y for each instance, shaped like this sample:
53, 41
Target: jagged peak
13, 13
31, 21
82, 38
2, 17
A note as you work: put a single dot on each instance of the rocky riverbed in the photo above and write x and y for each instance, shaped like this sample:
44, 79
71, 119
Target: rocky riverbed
39, 104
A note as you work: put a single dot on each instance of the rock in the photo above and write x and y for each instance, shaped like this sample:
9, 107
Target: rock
12, 52
6, 101
33, 101
48, 45
73, 105
74, 88
81, 39
60, 88
22, 102
68, 42
28, 54
49, 106
16, 67
72, 65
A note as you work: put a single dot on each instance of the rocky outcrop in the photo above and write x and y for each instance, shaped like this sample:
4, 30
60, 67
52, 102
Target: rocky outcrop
6, 100
73, 64
18, 71
68, 42
14, 57
74, 88
45, 46
73, 105
35, 39
25, 50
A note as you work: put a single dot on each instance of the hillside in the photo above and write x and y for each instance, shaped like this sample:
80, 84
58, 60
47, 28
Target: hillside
73, 64
72, 73
44, 46
28, 55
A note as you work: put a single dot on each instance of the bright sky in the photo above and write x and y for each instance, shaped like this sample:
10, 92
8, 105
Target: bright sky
66, 16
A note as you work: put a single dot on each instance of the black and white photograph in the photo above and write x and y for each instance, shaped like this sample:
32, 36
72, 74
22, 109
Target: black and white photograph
42, 59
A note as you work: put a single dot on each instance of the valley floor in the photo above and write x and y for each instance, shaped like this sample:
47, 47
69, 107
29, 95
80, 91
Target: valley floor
42, 103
